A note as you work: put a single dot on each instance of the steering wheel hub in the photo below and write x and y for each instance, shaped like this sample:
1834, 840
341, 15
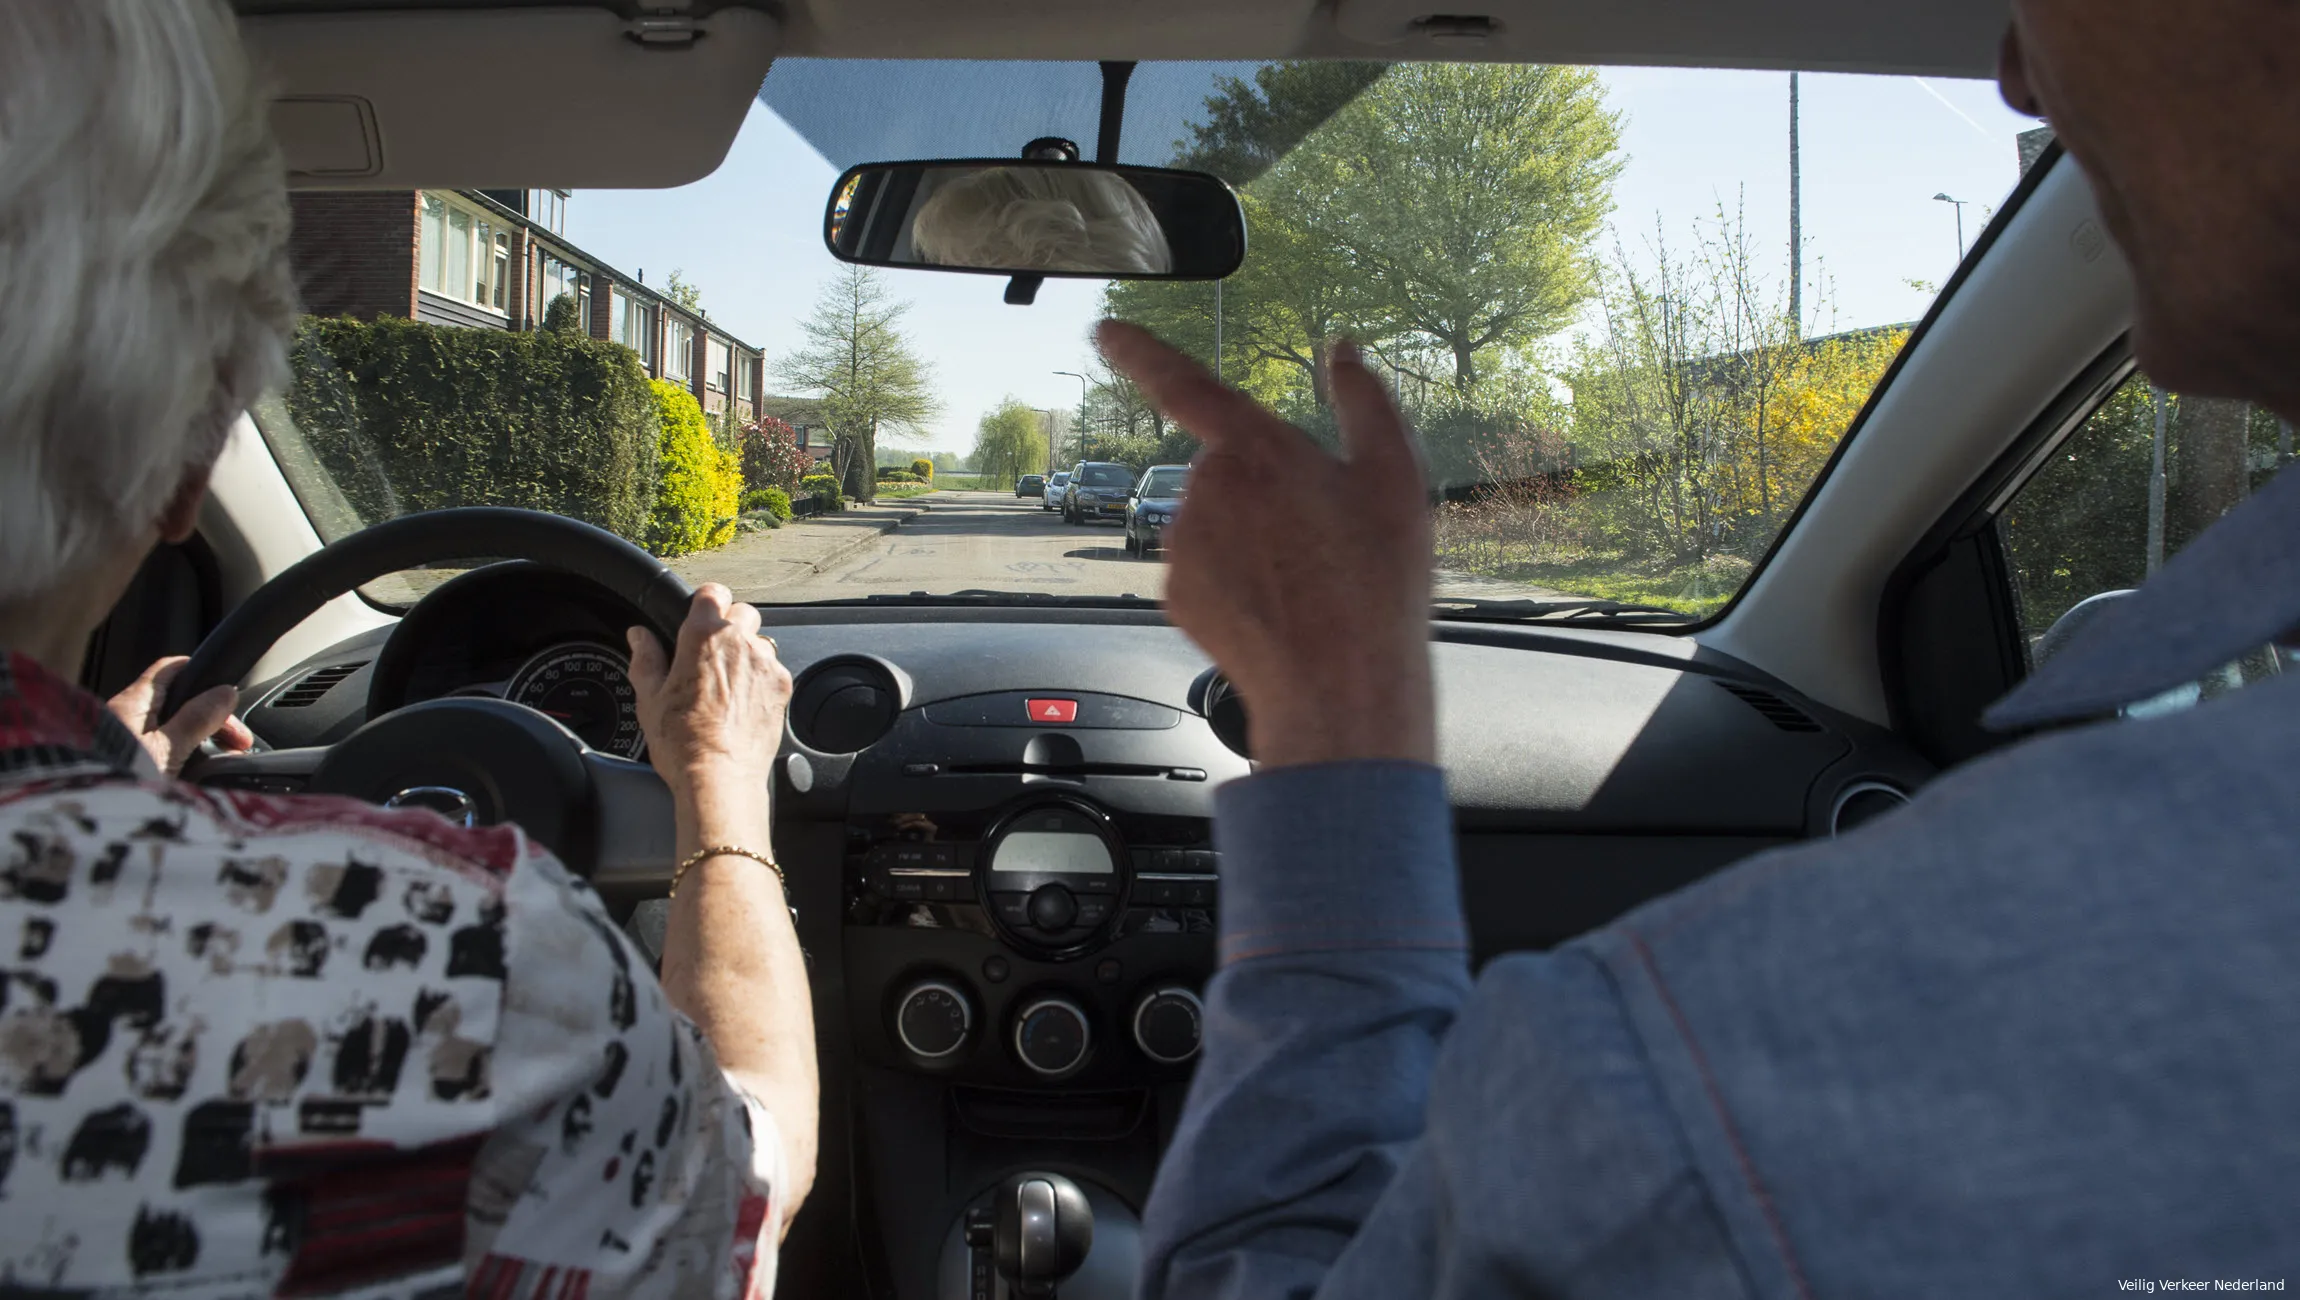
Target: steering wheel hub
510, 763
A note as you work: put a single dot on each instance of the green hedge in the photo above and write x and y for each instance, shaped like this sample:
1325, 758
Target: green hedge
410, 417
700, 482
773, 501
924, 468
823, 488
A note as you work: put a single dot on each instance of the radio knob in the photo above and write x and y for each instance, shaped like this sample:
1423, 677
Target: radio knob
1168, 1024
1051, 1037
1052, 908
933, 1019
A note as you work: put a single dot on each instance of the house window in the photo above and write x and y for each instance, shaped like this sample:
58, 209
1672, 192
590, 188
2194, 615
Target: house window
463, 254
551, 210
632, 324
747, 377
678, 349
564, 277
715, 371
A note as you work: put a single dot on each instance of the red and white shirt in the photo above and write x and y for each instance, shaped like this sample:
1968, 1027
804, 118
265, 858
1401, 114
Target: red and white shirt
253, 1045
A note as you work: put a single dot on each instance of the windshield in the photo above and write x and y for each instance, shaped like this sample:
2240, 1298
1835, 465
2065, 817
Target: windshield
1630, 312
1165, 483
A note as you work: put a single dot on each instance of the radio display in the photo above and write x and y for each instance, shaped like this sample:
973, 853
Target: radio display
1066, 853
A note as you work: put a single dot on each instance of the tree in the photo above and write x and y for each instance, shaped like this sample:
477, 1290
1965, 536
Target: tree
1700, 415
1010, 442
870, 381
1467, 195
679, 291
1248, 128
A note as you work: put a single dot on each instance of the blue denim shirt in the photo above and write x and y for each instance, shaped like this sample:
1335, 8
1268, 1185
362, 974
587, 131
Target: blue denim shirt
2037, 1034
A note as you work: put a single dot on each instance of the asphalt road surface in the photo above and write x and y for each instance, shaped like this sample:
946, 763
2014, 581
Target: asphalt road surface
987, 541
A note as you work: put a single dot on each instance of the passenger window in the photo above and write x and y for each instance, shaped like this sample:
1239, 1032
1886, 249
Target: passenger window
2144, 475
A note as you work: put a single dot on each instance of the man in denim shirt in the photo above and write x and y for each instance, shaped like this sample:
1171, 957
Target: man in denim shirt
2037, 1033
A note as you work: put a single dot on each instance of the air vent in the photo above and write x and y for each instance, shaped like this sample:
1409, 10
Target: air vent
1779, 712
1864, 802
315, 684
844, 706
1226, 715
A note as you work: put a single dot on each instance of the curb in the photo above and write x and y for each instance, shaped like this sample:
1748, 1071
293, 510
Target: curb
880, 528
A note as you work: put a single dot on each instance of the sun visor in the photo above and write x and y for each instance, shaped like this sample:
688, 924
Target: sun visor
463, 99
1944, 38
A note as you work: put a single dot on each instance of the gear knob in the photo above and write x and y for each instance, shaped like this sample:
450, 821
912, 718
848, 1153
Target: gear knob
1044, 1230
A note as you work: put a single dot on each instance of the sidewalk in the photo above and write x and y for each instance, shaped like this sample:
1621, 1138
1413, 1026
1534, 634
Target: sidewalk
800, 548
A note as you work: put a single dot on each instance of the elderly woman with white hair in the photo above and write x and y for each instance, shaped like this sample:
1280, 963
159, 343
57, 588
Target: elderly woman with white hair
252, 1045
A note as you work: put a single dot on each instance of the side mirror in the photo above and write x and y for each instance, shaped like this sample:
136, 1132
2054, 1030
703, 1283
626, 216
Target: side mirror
1039, 217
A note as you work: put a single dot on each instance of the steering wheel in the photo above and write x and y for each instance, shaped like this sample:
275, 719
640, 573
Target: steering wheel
473, 758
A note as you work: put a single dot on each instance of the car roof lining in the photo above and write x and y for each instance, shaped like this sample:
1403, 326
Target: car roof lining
420, 93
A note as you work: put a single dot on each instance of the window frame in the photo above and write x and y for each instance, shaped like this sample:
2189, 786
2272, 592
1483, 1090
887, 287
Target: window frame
483, 247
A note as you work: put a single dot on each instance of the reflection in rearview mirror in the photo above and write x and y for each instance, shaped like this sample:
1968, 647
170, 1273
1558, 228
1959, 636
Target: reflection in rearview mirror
1037, 217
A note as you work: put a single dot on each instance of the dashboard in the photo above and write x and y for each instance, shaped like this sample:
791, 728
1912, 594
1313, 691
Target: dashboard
998, 826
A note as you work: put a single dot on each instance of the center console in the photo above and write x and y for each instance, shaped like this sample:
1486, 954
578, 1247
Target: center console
1029, 899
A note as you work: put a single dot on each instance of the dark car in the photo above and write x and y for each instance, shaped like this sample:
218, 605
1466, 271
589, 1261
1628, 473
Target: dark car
1151, 507
1097, 490
1030, 485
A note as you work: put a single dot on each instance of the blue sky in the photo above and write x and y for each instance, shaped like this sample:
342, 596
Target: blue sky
1876, 150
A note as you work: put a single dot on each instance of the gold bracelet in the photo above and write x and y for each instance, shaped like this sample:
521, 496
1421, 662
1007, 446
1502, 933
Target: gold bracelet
695, 859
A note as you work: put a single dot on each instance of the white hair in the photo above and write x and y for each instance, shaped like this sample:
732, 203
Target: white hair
1041, 219
143, 249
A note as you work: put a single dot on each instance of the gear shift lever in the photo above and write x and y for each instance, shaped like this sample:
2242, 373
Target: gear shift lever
1044, 1230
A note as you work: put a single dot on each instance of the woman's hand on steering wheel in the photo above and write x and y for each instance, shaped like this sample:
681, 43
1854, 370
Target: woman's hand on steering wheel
712, 710
205, 716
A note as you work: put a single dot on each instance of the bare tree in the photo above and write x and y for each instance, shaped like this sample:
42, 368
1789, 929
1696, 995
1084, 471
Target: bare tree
870, 382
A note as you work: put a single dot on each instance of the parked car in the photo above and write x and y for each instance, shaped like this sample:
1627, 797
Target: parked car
1150, 507
1030, 485
1055, 482
1097, 490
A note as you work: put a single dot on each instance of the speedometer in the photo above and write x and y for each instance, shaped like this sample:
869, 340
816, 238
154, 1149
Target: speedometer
588, 690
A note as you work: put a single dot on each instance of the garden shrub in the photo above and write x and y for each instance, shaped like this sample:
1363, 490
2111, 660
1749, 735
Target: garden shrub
407, 416
924, 469
699, 482
560, 316
823, 488
772, 501
772, 457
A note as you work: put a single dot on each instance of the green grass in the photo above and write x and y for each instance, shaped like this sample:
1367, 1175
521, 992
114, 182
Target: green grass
1689, 589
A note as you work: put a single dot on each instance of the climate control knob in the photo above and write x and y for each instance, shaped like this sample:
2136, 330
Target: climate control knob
933, 1019
1051, 1037
1168, 1024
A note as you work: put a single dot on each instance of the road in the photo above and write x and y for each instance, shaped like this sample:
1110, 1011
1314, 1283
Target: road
991, 541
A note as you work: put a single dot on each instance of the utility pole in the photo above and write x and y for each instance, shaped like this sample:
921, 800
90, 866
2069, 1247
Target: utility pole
1796, 216
1081, 414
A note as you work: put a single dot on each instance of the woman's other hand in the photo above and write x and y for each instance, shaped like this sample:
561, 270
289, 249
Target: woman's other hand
170, 742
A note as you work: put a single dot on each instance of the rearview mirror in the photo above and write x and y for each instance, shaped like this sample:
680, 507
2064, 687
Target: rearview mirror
1035, 217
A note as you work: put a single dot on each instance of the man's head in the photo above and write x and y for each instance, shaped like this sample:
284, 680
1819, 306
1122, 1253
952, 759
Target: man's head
143, 243
2187, 119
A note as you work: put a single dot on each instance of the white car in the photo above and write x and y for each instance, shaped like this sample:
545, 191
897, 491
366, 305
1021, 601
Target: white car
1055, 482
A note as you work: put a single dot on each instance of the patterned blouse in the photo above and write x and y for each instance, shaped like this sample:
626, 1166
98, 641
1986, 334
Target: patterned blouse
253, 1045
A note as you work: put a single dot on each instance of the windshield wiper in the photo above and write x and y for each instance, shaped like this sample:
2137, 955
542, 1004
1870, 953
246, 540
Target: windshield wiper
980, 596
1470, 609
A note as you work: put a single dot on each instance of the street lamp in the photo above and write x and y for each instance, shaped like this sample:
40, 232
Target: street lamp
1082, 391
1959, 205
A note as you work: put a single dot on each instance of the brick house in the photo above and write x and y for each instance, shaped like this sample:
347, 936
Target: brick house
494, 259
